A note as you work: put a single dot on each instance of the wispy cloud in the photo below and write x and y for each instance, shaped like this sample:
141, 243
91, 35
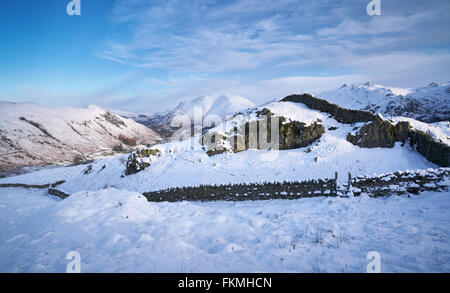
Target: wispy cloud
216, 36
264, 49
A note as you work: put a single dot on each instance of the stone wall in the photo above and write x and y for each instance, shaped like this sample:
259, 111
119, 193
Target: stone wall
398, 183
243, 192
412, 182
342, 115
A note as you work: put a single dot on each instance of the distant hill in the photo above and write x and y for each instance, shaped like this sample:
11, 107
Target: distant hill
33, 135
220, 105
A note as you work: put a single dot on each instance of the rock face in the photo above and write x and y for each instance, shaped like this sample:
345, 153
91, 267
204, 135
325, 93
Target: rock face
296, 135
140, 160
292, 135
380, 133
434, 151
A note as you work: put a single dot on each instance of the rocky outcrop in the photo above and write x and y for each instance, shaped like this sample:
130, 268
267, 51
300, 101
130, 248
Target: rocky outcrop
296, 135
383, 133
139, 160
432, 150
380, 133
292, 135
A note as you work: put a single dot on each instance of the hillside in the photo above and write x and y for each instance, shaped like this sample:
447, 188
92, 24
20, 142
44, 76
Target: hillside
33, 135
427, 104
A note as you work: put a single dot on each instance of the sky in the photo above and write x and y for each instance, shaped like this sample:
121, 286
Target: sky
147, 56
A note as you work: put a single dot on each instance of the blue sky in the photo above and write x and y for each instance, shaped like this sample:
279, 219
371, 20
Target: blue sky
148, 55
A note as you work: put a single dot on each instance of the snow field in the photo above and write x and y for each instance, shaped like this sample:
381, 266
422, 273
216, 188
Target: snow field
119, 231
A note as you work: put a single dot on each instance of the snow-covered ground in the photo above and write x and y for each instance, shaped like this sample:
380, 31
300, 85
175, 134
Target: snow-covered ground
119, 231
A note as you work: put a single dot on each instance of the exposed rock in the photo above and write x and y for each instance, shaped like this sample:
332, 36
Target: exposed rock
58, 193
292, 135
145, 153
138, 161
432, 150
379, 133
402, 130
295, 134
80, 160
113, 119
88, 170
382, 133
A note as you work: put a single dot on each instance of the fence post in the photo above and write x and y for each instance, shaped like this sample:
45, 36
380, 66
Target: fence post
349, 184
335, 183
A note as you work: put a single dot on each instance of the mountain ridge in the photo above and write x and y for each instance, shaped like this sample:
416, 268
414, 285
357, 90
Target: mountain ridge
427, 104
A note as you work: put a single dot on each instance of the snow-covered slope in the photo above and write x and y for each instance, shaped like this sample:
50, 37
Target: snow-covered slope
427, 104
35, 135
201, 107
119, 231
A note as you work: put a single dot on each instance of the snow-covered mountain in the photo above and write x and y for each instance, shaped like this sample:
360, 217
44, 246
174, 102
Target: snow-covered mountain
427, 104
203, 106
33, 135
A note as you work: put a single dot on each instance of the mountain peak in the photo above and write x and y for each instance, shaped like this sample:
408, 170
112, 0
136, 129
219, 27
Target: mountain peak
216, 104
